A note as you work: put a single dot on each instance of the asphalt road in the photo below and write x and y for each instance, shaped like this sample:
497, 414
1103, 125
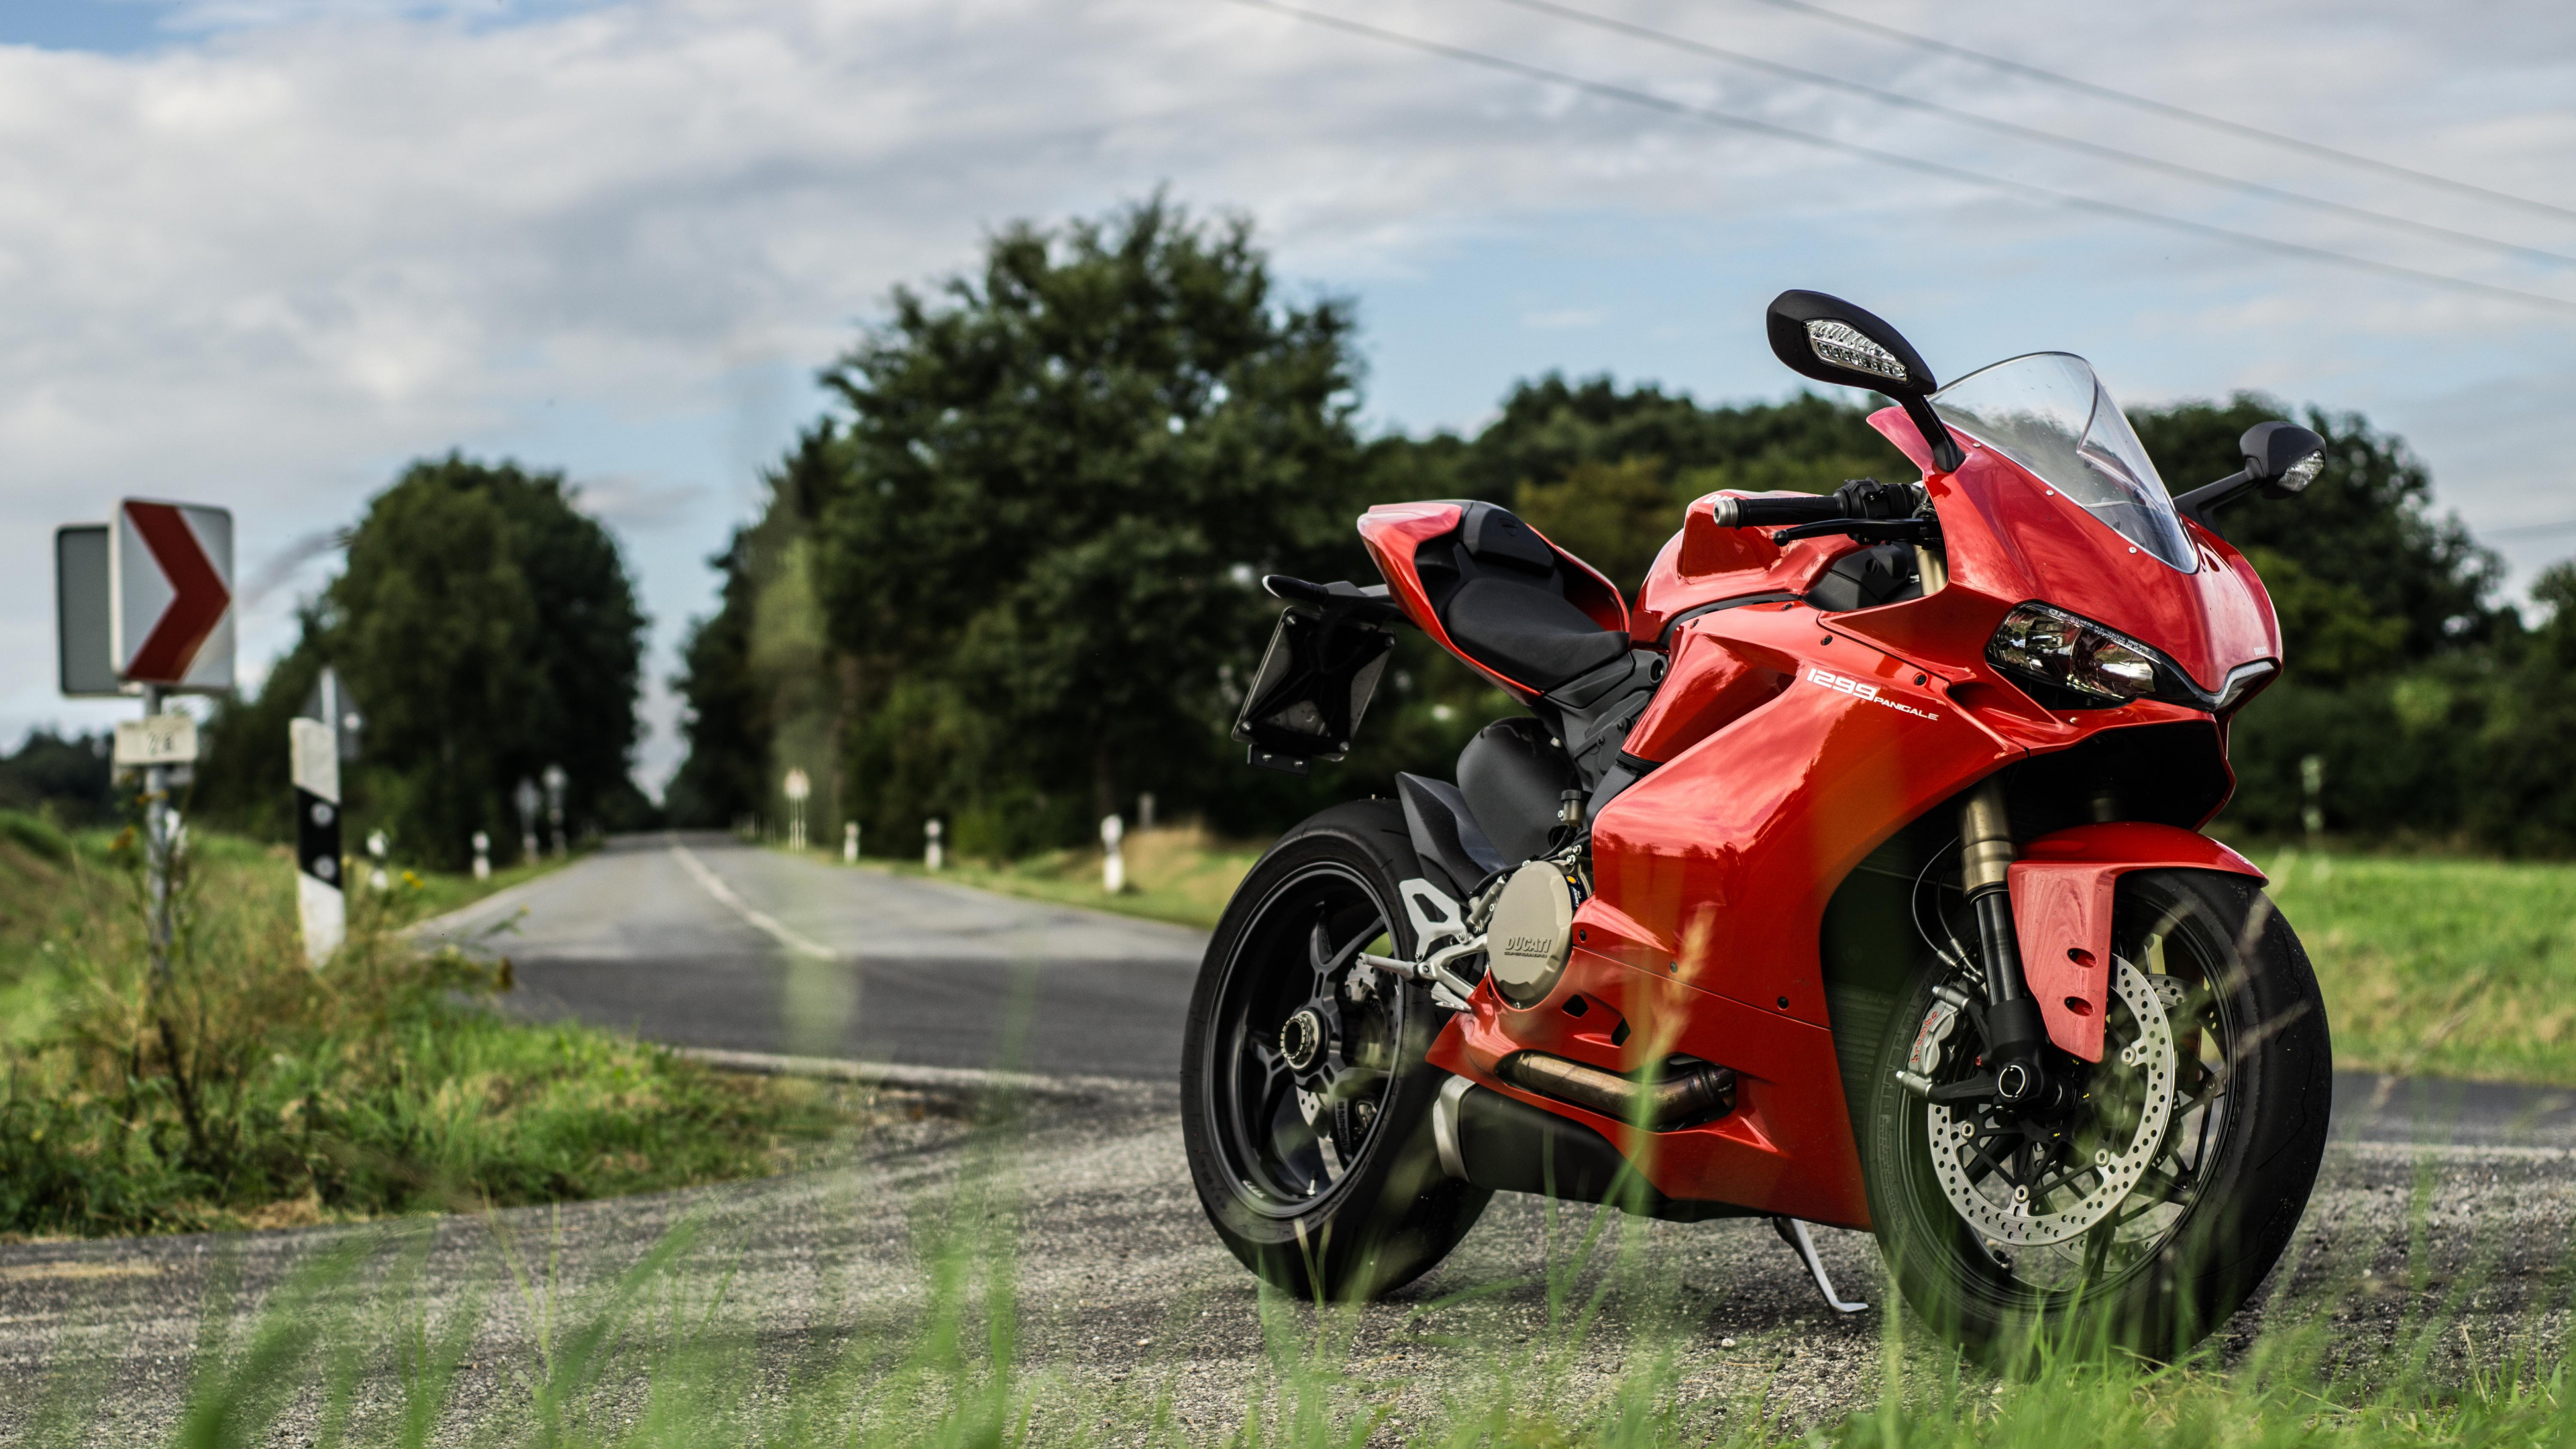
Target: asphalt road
701, 941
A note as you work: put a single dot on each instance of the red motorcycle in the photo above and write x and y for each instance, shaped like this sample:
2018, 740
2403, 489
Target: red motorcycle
1853, 877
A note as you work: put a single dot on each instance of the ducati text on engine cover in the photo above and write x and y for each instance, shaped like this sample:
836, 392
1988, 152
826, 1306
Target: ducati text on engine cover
1532, 929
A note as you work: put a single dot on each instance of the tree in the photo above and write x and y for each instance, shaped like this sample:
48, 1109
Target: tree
489, 630
2366, 550
1063, 475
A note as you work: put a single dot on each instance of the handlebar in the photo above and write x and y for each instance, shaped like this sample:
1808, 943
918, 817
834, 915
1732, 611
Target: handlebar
1861, 498
1773, 512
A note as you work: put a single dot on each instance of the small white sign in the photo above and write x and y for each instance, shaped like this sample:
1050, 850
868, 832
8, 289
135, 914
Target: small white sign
163, 739
799, 785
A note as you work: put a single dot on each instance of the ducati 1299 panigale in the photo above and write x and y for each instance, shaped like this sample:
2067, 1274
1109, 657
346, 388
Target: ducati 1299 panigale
1851, 876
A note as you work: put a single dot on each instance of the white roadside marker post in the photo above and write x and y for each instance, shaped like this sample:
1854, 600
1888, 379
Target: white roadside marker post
526, 799
930, 853
850, 843
1113, 862
798, 788
1145, 811
320, 904
376, 853
482, 855
555, 781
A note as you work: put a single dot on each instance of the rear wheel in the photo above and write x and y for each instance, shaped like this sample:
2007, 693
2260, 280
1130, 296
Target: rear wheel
2148, 1213
1306, 1103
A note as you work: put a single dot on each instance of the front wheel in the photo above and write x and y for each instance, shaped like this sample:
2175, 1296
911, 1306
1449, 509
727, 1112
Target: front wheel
1305, 1099
2146, 1214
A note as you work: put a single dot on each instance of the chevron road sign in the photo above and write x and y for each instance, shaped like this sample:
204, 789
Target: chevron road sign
170, 595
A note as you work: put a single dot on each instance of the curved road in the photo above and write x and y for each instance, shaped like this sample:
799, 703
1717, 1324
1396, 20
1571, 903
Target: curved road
702, 941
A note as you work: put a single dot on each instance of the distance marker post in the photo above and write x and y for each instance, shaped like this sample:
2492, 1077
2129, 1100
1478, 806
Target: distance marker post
319, 901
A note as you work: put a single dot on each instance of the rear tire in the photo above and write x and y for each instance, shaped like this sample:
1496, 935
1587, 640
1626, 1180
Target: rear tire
2231, 1176
1320, 1176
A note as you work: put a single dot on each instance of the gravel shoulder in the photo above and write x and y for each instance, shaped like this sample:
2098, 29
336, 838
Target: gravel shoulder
1126, 1301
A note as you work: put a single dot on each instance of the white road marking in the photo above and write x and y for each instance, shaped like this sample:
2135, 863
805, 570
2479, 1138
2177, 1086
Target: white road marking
761, 921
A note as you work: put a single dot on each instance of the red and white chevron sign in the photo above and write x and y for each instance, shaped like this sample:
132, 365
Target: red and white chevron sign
170, 595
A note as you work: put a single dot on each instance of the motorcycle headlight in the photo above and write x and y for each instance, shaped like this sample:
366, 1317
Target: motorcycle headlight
2067, 662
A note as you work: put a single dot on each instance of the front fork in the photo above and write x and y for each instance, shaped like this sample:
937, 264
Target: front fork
2014, 1031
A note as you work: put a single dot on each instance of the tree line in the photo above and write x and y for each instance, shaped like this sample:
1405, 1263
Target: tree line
1009, 579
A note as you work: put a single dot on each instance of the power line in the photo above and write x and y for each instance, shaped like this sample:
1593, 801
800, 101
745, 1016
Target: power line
2164, 108
2528, 530
2033, 133
1940, 169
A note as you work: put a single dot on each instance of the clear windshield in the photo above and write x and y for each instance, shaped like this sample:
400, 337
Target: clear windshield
2050, 414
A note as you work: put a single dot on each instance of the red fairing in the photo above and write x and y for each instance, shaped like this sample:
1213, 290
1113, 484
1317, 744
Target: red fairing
2062, 893
2011, 538
1393, 532
1711, 877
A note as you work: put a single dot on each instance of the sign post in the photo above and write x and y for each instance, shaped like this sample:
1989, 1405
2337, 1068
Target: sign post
930, 852
143, 605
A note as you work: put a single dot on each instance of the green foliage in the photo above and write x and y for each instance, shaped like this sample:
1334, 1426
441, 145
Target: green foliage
66, 776
488, 630
250, 1088
2365, 526
1547, 427
1062, 474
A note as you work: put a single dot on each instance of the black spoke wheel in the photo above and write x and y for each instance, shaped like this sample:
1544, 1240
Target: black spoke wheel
2145, 1213
1306, 1101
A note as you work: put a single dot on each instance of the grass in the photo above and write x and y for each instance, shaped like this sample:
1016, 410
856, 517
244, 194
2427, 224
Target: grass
2443, 967
355, 1347
247, 1089
1180, 874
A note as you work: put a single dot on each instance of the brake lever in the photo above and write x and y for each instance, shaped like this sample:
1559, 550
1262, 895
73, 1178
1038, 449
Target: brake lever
1868, 530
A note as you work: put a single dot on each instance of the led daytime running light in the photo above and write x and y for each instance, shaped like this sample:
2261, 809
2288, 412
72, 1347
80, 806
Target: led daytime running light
2079, 664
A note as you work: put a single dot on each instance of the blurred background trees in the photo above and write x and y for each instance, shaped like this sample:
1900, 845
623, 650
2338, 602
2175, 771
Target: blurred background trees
488, 629
1011, 579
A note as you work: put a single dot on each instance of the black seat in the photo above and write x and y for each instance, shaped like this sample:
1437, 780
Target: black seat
1500, 592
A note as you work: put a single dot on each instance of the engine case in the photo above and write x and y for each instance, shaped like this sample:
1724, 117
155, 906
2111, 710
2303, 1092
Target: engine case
1530, 933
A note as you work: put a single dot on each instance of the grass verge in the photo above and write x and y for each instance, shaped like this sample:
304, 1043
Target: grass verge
2440, 967
1181, 874
245, 1089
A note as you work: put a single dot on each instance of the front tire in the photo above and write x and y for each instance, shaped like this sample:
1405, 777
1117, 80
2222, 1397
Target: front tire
2173, 1255
1306, 1102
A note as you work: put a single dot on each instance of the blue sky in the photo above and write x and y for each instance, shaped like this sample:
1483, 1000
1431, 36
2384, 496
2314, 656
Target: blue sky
261, 252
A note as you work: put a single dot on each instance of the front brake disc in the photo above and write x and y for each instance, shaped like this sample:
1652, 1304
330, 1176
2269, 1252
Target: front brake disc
2006, 1215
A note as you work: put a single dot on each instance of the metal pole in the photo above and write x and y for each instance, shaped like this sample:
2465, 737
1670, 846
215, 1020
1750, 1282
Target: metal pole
156, 846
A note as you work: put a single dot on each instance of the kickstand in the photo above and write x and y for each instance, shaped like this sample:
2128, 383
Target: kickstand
1794, 1233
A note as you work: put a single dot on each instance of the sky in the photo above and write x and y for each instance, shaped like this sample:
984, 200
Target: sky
261, 253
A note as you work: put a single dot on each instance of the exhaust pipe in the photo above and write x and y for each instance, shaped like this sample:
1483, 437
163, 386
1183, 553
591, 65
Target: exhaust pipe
1689, 1091
1506, 1144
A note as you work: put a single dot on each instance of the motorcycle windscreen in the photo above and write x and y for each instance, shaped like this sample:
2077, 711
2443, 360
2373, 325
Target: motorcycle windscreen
1306, 700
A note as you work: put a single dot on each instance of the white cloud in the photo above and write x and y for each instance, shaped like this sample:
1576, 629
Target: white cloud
269, 262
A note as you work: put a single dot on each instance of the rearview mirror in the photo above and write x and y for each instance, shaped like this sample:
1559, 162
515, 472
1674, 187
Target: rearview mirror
2284, 457
2280, 459
1830, 340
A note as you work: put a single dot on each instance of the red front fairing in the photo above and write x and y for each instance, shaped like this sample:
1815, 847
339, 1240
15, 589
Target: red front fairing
1789, 743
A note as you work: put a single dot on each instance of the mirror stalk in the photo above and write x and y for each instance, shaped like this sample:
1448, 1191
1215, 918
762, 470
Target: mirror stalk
1946, 453
2198, 503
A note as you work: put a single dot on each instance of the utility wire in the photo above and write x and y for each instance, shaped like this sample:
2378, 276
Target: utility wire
2164, 108
2068, 199
2527, 530
2032, 133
